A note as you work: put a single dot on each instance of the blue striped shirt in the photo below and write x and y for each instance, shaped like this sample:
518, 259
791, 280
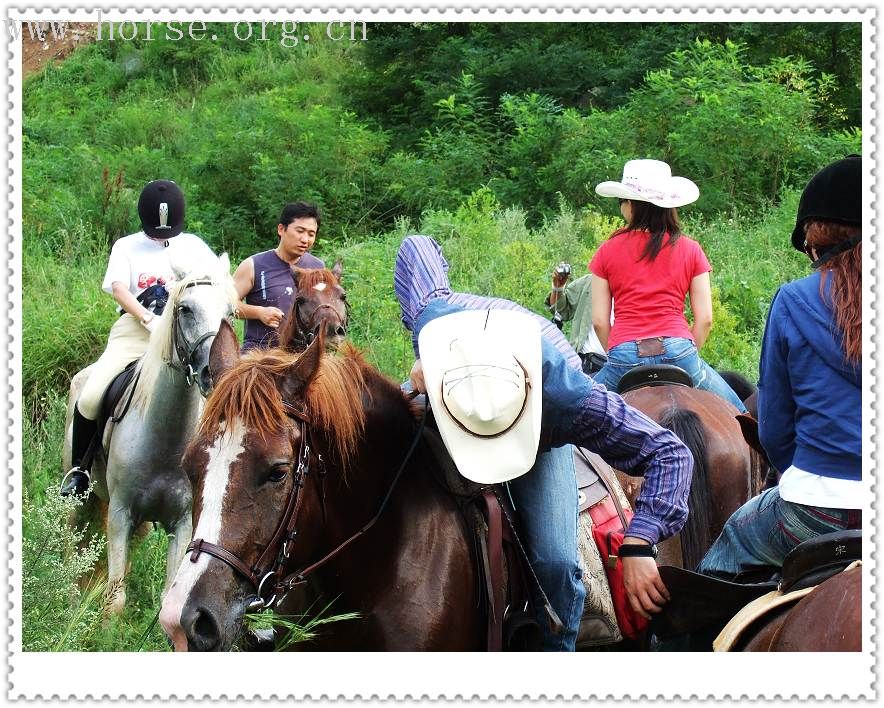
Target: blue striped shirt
575, 410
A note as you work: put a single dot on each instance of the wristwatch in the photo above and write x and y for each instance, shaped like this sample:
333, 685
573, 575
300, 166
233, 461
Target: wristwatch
633, 550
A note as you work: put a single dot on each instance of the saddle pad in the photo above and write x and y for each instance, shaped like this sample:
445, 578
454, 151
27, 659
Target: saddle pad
598, 623
756, 609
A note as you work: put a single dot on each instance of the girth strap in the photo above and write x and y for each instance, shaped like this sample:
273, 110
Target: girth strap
495, 562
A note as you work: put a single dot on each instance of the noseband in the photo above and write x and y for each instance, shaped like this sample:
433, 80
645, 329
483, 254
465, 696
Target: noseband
183, 349
307, 331
266, 577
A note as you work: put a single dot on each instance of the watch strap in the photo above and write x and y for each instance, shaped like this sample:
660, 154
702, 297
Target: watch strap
633, 550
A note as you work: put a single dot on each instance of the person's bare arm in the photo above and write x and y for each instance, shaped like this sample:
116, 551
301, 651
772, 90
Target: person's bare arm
243, 280
129, 302
700, 295
601, 309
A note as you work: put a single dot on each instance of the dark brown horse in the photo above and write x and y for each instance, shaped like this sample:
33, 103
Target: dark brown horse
829, 618
294, 456
727, 472
320, 303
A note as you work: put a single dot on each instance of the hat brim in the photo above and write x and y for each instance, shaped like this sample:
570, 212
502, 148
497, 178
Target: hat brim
486, 460
680, 191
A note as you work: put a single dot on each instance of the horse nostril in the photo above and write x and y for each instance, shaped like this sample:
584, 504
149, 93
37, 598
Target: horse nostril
205, 380
201, 629
340, 331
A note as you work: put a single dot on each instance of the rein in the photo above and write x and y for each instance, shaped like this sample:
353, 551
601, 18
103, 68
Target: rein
184, 349
268, 582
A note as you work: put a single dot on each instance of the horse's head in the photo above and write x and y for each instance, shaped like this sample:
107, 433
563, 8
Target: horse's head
257, 443
321, 304
199, 298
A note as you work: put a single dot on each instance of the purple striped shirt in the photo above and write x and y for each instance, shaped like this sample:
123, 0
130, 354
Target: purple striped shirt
421, 275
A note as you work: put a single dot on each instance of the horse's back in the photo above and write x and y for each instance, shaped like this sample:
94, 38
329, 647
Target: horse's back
728, 456
829, 618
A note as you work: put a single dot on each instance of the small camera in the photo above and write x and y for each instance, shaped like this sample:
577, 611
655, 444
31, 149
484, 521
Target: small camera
563, 268
557, 320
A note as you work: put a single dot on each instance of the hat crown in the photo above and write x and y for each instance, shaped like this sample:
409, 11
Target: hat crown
646, 172
832, 194
483, 386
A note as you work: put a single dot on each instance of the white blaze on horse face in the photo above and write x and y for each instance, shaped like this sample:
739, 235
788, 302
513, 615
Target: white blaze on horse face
228, 446
319, 286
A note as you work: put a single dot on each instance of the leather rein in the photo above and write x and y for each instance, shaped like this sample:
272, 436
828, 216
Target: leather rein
183, 349
266, 575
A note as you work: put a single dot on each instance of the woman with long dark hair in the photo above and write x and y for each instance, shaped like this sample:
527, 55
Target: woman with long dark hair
648, 267
809, 390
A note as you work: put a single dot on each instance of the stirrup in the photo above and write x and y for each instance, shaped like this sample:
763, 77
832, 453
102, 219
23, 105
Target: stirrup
72, 484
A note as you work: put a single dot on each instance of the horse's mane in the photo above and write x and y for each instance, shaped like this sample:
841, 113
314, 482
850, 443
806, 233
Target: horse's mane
159, 349
250, 392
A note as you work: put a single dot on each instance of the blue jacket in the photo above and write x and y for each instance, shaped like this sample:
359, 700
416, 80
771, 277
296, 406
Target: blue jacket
809, 396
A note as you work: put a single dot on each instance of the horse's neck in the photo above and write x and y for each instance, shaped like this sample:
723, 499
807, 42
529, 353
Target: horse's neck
173, 406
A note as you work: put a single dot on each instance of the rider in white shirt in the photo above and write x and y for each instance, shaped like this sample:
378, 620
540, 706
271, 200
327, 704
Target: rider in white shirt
137, 272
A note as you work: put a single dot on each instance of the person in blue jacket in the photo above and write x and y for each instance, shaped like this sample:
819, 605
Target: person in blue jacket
809, 389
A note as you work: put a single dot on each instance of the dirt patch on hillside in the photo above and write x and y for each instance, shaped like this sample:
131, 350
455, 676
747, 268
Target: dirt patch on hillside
37, 52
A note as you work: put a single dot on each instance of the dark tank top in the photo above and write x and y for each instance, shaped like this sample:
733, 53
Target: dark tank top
273, 286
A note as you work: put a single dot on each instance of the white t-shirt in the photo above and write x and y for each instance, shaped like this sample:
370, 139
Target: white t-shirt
139, 262
801, 487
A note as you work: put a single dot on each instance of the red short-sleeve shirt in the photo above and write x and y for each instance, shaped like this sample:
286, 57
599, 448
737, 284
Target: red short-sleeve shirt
649, 296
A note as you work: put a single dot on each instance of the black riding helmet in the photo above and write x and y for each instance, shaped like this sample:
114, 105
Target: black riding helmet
161, 209
833, 194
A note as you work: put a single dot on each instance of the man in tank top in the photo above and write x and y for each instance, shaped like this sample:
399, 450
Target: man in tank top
264, 281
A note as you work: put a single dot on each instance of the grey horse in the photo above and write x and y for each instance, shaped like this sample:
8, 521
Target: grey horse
137, 473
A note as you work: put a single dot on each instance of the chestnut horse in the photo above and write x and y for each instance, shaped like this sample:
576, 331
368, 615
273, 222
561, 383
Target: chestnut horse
294, 456
727, 472
829, 618
320, 303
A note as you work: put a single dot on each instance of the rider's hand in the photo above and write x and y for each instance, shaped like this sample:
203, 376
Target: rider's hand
271, 316
644, 587
417, 377
152, 323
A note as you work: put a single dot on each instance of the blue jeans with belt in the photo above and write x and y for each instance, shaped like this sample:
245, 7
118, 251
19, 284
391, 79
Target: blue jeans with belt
679, 351
765, 529
546, 500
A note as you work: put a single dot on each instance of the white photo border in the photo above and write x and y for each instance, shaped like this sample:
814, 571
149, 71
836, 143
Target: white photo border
461, 677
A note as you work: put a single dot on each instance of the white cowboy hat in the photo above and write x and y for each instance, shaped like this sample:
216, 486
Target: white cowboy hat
483, 373
651, 181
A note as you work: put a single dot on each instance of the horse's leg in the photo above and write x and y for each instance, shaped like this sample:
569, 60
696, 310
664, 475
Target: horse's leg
119, 530
179, 536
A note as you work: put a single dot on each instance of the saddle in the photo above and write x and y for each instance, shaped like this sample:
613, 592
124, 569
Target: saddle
109, 403
699, 602
653, 375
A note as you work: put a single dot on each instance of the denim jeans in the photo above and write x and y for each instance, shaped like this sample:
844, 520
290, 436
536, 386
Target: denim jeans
679, 351
546, 500
765, 529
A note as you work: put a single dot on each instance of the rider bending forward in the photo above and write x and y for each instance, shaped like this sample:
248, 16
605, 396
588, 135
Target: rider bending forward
138, 270
576, 411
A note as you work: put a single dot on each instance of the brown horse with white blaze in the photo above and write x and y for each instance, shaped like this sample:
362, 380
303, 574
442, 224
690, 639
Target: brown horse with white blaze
320, 304
294, 456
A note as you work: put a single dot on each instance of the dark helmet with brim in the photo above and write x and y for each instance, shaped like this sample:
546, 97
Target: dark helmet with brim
161, 209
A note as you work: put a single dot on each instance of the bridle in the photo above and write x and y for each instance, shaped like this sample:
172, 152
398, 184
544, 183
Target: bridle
304, 329
183, 349
266, 574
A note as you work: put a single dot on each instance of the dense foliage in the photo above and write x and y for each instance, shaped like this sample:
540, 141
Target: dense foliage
490, 138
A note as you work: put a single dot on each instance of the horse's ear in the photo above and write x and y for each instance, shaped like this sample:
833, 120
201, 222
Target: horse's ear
749, 427
224, 352
338, 269
296, 275
223, 264
300, 374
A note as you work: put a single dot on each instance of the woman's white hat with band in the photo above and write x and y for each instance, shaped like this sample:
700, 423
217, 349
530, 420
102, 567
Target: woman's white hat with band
651, 181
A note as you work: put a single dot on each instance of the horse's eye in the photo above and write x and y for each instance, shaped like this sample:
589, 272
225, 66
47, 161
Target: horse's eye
300, 301
183, 310
279, 472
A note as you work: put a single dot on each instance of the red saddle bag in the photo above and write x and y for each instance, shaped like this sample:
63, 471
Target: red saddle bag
609, 523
